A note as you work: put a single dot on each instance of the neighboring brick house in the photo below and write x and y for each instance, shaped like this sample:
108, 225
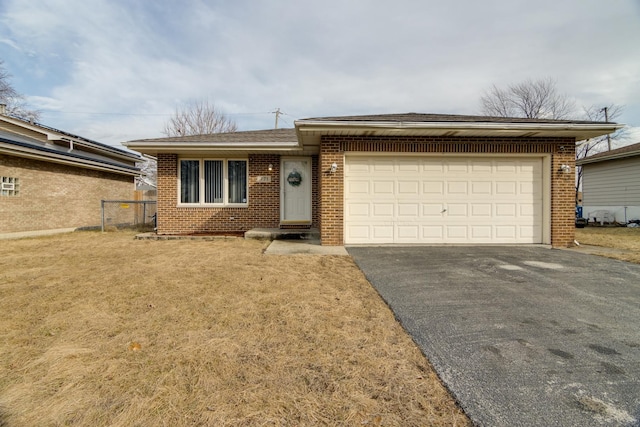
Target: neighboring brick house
53, 180
381, 179
611, 184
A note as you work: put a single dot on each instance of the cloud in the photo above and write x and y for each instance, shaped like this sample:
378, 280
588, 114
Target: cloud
139, 60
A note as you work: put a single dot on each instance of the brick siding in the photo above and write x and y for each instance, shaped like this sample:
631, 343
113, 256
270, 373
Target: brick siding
263, 210
54, 196
332, 149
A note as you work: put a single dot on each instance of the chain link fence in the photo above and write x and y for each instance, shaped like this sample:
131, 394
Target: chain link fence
134, 214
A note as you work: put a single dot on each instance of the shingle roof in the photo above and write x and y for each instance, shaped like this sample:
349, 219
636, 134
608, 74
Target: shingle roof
622, 152
424, 118
78, 155
269, 135
307, 132
71, 135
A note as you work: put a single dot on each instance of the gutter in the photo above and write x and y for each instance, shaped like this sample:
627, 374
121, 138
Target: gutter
174, 147
64, 158
58, 135
319, 125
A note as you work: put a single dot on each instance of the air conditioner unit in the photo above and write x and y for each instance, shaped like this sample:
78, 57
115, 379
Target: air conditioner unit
8, 186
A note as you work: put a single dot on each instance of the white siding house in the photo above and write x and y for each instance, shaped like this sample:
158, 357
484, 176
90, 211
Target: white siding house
611, 182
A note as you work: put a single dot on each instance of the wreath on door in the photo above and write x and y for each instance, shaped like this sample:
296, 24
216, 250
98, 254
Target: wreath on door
294, 178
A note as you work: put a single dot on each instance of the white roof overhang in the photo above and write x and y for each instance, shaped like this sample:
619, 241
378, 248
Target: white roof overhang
220, 148
309, 131
61, 158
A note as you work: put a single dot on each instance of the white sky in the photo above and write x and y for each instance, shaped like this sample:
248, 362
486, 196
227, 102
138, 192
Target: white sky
115, 70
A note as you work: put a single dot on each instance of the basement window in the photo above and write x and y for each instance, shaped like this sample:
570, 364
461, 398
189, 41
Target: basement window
9, 186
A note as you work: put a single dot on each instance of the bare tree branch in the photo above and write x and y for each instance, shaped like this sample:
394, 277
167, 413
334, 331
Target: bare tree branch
15, 102
149, 172
533, 99
199, 118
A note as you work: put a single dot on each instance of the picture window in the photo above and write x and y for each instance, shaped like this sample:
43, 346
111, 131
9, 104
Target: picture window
213, 182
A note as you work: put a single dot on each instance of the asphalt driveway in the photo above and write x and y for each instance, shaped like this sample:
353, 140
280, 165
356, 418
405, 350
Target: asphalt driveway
522, 336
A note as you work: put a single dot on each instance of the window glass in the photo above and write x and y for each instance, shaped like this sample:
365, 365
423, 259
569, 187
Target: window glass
237, 181
189, 181
9, 186
213, 181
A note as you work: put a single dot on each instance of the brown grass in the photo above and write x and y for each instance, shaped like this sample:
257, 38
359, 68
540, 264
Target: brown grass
99, 329
617, 242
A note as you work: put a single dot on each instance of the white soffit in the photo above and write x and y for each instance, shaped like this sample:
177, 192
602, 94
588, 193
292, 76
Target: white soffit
311, 130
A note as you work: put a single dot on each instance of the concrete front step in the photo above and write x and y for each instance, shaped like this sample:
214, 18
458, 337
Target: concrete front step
282, 234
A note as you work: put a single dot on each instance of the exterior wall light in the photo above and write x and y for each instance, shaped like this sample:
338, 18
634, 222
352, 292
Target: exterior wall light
334, 167
565, 169
270, 167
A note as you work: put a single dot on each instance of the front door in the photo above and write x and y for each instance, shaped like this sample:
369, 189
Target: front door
295, 191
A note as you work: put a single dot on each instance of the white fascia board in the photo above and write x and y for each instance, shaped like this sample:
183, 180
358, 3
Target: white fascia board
60, 159
106, 149
181, 147
52, 135
578, 128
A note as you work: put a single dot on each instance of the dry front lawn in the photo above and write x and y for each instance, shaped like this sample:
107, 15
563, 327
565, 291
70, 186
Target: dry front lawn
617, 242
99, 329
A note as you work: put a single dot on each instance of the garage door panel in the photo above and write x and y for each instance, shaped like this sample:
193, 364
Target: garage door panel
506, 231
505, 167
411, 210
383, 188
428, 166
481, 166
529, 232
457, 232
529, 166
357, 166
457, 209
481, 210
360, 233
406, 187
356, 209
408, 166
457, 166
457, 187
506, 188
383, 210
481, 188
506, 209
407, 233
431, 209
381, 166
383, 232
482, 232
526, 188
354, 187
426, 199
528, 210
432, 233
433, 187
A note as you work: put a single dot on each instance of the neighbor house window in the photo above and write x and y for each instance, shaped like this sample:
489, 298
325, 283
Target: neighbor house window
9, 186
213, 182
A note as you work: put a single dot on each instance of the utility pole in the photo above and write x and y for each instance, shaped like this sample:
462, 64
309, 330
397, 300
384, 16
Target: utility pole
606, 119
277, 113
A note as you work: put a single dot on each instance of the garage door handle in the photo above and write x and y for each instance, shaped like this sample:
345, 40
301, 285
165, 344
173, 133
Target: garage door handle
443, 211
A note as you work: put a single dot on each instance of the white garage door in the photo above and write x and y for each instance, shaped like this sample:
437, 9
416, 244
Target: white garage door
432, 199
